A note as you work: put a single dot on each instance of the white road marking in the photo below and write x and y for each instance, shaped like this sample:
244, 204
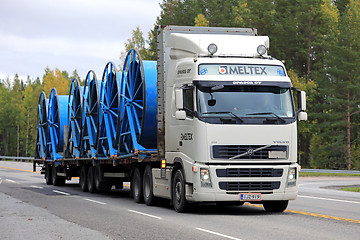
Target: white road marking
145, 214
218, 234
64, 193
329, 199
33, 186
90, 200
9, 180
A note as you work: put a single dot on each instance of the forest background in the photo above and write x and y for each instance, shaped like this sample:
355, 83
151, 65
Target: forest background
319, 41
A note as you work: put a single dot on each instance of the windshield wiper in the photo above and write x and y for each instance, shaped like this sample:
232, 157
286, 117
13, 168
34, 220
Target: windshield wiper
231, 113
268, 113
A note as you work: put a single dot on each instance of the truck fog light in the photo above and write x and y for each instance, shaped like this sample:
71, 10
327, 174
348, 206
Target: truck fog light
291, 177
205, 177
212, 48
261, 50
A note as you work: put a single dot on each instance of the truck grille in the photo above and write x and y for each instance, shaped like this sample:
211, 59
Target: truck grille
247, 151
249, 172
248, 186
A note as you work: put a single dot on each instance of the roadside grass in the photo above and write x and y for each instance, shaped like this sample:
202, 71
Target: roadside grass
351, 189
313, 174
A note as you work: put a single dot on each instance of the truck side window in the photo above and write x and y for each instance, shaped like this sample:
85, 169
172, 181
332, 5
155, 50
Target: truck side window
189, 102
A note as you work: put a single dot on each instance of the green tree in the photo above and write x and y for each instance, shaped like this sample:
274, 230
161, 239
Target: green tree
137, 42
54, 78
201, 21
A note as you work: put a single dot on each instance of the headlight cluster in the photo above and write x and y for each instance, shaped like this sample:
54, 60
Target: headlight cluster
205, 178
291, 177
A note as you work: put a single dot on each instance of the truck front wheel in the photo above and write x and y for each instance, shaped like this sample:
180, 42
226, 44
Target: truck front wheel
276, 206
178, 192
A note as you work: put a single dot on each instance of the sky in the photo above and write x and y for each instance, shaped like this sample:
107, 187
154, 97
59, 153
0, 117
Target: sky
68, 34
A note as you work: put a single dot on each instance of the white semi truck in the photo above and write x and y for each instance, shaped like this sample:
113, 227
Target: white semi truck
227, 119
223, 128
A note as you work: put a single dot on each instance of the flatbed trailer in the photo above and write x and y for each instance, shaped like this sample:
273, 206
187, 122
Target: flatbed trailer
212, 120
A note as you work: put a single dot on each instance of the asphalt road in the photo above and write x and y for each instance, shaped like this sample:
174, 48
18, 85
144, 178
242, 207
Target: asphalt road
30, 209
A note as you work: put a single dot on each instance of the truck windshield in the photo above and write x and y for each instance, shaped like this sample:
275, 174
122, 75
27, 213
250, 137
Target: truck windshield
245, 101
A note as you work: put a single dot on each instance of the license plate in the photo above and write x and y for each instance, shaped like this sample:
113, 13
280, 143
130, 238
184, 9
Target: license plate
250, 196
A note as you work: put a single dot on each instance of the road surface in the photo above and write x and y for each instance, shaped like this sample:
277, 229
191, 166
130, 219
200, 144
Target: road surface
30, 209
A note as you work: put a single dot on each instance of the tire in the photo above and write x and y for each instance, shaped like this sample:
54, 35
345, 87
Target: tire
91, 180
57, 180
136, 185
48, 176
276, 206
83, 178
148, 192
178, 192
102, 184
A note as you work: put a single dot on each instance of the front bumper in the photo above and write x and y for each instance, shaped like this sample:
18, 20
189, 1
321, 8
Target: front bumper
278, 190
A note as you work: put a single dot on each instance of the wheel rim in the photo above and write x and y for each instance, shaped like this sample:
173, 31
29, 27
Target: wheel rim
90, 114
178, 191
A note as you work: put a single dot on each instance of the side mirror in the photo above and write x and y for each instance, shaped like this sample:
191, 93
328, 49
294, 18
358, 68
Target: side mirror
302, 116
179, 100
180, 115
302, 100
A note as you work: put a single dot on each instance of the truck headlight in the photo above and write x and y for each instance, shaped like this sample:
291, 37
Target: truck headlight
205, 178
291, 177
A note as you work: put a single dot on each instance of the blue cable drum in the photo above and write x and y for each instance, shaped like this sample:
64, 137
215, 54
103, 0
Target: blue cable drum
90, 115
137, 123
109, 101
74, 120
42, 115
57, 118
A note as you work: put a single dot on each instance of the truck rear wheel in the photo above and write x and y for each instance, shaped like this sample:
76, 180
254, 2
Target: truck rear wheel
57, 180
136, 185
149, 197
276, 206
48, 177
83, 178
91, 180
102, 184
178, 192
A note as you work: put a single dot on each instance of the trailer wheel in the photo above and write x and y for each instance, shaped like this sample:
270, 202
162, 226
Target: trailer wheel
276, 206
102, 184
148, 193
91, 180
83, 178
57, 180
136, 185
48, 177
178, 192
